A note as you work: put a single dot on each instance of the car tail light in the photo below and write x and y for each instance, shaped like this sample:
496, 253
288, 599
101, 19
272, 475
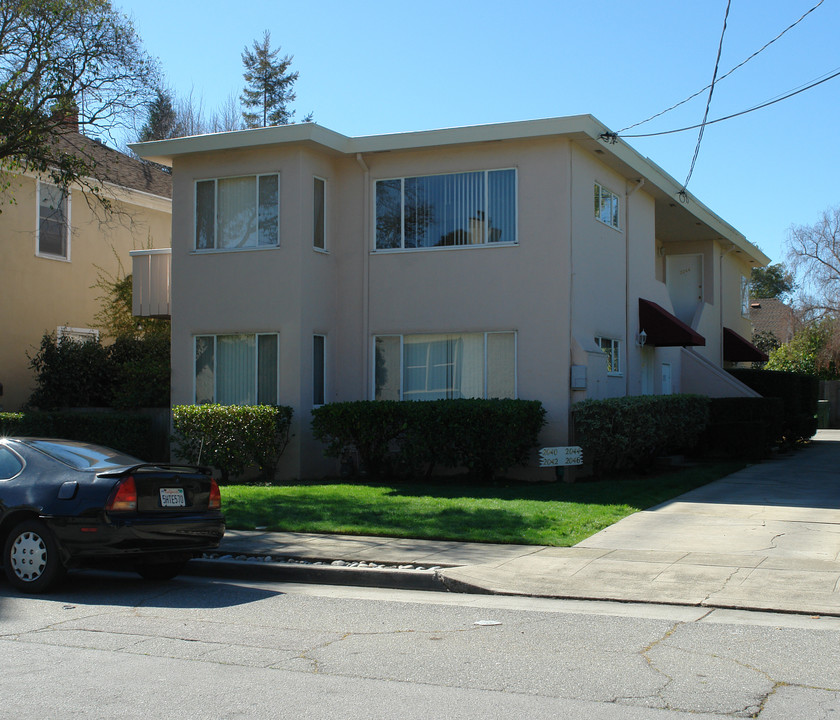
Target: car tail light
215, 497
123, 496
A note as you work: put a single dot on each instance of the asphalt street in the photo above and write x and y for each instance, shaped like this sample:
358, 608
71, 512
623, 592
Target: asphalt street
111, 645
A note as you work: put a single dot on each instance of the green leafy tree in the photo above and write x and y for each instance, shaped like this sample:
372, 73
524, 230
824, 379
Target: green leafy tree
773, 281
810, 352
115, 316
65, 63
269, 85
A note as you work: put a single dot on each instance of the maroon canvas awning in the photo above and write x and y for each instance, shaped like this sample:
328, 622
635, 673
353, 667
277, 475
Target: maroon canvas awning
739, 349
663, 329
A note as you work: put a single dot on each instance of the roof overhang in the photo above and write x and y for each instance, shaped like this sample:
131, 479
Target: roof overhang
739, 349
664, 329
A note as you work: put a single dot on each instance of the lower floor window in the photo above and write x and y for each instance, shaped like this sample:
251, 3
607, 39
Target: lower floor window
241, 369
612, 349
436, 367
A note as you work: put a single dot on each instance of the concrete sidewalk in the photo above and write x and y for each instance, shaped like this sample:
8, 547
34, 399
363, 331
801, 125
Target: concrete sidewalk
764, 538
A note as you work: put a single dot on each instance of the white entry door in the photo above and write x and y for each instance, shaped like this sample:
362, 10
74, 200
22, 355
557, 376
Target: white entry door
684, 278
666, 379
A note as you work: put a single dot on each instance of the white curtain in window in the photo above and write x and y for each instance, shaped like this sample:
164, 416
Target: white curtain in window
236, 369
501, 365
237, 212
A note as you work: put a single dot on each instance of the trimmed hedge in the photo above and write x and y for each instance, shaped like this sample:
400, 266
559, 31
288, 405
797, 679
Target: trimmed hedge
628, 433
799, 394
232, 437
484, 436
743, 427
127, 432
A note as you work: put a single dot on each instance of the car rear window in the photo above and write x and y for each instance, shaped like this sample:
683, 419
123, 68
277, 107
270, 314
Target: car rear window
83, 456
10, 465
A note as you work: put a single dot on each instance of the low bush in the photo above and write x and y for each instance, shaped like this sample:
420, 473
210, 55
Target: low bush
232, 438
483, 436
129, 433
742, 427
628, 433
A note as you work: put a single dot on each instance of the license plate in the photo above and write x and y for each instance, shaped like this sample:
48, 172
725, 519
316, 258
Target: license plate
172, 497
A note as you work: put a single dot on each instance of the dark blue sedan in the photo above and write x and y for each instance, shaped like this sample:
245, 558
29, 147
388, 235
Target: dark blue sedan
67, 504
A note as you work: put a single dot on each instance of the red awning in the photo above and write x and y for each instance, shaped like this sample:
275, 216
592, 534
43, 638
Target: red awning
738, 349
663, 329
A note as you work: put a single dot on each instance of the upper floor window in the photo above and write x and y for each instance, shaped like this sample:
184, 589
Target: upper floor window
745, 296
606, 206
319, 240
53, 222
238, 212
472, 208
612, 349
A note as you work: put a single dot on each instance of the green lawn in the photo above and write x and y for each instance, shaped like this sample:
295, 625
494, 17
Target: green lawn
455, 509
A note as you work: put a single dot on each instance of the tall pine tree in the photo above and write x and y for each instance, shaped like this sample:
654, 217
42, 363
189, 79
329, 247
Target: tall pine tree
162, 119
269, 85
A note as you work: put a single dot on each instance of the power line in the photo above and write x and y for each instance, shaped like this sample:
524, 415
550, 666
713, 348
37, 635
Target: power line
609, 137
708, 101
727, 74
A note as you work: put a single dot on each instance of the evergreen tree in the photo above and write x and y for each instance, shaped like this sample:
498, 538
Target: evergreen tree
269, 85
162, 119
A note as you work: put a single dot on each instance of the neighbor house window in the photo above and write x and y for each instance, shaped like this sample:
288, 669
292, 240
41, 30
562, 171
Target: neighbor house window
238, 212
745, 296
240, 369
435, 367
318, 369
473, 208
606, 206
612, 349
319, 220
63, 332
53, 222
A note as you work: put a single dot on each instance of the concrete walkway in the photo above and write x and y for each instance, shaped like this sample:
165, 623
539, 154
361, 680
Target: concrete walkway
764, 538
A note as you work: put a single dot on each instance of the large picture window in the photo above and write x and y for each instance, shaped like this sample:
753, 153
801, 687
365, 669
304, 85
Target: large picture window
436, 367
473, 208
240, 369
238, 212
53, 222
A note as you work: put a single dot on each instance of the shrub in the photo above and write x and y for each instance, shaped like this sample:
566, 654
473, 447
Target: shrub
628, 433
483, 436
742, 427
141, 372
129, 433
799, 394
232, 437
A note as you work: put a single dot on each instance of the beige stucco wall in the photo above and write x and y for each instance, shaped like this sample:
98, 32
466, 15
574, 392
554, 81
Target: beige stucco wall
39, 293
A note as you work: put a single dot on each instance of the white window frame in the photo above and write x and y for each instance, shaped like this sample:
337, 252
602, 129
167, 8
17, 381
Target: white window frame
67, 234
215, 337
323, 369
483, 244
611, 347
325, 248
615, 217
215, 181
76, 334
402, 357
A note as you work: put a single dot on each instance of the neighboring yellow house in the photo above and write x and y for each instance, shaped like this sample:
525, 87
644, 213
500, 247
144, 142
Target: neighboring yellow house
532, 260
53, 248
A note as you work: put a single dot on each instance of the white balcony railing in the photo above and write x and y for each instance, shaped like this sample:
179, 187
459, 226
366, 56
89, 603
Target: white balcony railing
151, 277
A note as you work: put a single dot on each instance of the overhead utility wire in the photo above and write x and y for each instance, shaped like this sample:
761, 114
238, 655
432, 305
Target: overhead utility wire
609, 137
741, 64
682, 193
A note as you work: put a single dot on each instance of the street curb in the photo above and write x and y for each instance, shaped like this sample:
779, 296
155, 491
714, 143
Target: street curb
390, 578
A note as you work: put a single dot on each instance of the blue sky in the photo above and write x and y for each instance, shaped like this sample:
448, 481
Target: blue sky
379, 67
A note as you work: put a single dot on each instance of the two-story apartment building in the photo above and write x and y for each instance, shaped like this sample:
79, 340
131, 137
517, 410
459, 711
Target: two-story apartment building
54, 246
530, 259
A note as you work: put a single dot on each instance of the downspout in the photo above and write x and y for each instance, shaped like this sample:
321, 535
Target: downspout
366, 366
720, 299
627, 314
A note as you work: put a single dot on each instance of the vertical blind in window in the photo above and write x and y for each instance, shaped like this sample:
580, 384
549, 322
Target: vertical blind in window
240, 212
237, 369
474, 208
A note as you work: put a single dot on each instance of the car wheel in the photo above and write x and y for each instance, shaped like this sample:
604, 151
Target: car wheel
32, 559
160, 571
